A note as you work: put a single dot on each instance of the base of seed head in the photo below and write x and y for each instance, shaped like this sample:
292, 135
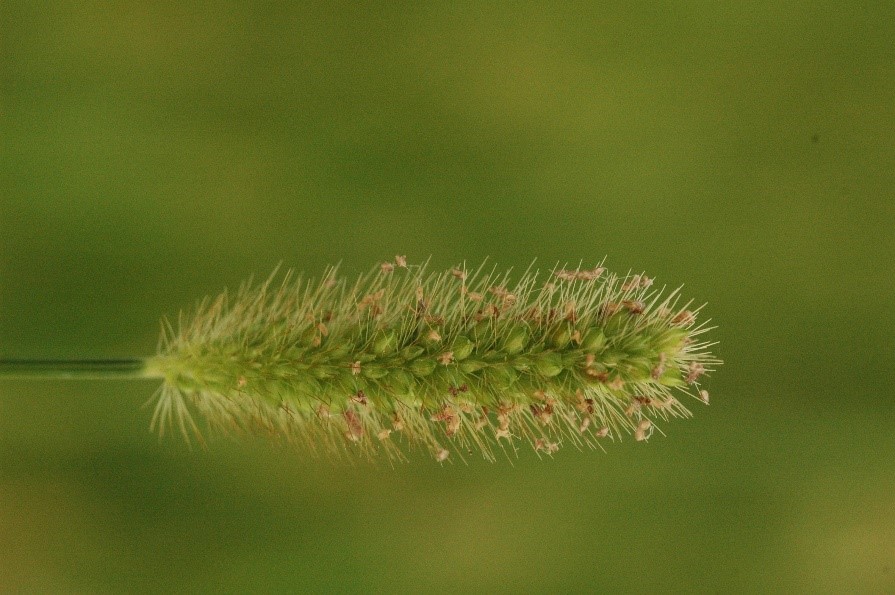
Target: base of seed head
455, 362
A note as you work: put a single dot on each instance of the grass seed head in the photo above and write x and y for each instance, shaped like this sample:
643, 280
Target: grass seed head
449, 361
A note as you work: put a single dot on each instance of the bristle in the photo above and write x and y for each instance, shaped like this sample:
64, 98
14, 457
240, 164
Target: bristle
452, 361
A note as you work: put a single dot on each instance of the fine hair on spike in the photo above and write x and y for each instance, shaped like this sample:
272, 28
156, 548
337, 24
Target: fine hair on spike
455, 361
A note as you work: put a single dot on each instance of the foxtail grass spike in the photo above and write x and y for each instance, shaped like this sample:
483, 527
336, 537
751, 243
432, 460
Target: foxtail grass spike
456, 362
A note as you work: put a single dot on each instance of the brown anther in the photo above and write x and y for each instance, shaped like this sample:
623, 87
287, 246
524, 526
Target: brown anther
442, 455
323, 411
589, 360
241, 382
591, 275
616, 384
498, 290
544, 413
579, 275
548, 447
401, 261
360, 397
481, 422
584, 405
602, 432
694, 371
419, 293
548, 286
316, 341
459, 274
503, 420
596, 374
355, 426
433, 335
644, 430
387, 267
576, 337
397, 423
660, 367
492, 311
533, 314
643, 400
540, 395
609, 308
585, 423
321, 328
449, 416
704, 396
384, 434
434, 320
570, 312
661, 404
452, 425
634, 307
632, 283
502, 433
506, 408
442, 414
371, 299
355, 368
446, 358
685, 318
475, 297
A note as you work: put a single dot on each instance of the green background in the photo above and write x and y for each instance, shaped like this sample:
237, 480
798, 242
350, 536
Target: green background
153, 153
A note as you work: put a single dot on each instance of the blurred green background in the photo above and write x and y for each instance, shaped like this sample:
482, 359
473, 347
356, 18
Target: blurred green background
152, 153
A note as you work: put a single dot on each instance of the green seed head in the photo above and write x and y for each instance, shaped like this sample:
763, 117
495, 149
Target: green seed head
454, 361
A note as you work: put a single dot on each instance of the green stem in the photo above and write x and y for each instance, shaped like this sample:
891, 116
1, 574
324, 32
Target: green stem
76, 369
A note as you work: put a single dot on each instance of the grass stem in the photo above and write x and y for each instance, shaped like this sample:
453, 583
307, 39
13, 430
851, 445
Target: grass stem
63, 369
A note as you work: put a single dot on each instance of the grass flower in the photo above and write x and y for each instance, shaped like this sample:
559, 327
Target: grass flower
456, 362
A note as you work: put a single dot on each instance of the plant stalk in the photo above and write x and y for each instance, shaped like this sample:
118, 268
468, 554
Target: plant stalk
76, 369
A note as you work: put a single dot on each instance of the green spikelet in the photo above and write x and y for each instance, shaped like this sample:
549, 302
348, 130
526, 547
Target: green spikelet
453, 362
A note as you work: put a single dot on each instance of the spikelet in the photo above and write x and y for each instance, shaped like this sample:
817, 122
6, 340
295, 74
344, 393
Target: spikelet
455, 362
